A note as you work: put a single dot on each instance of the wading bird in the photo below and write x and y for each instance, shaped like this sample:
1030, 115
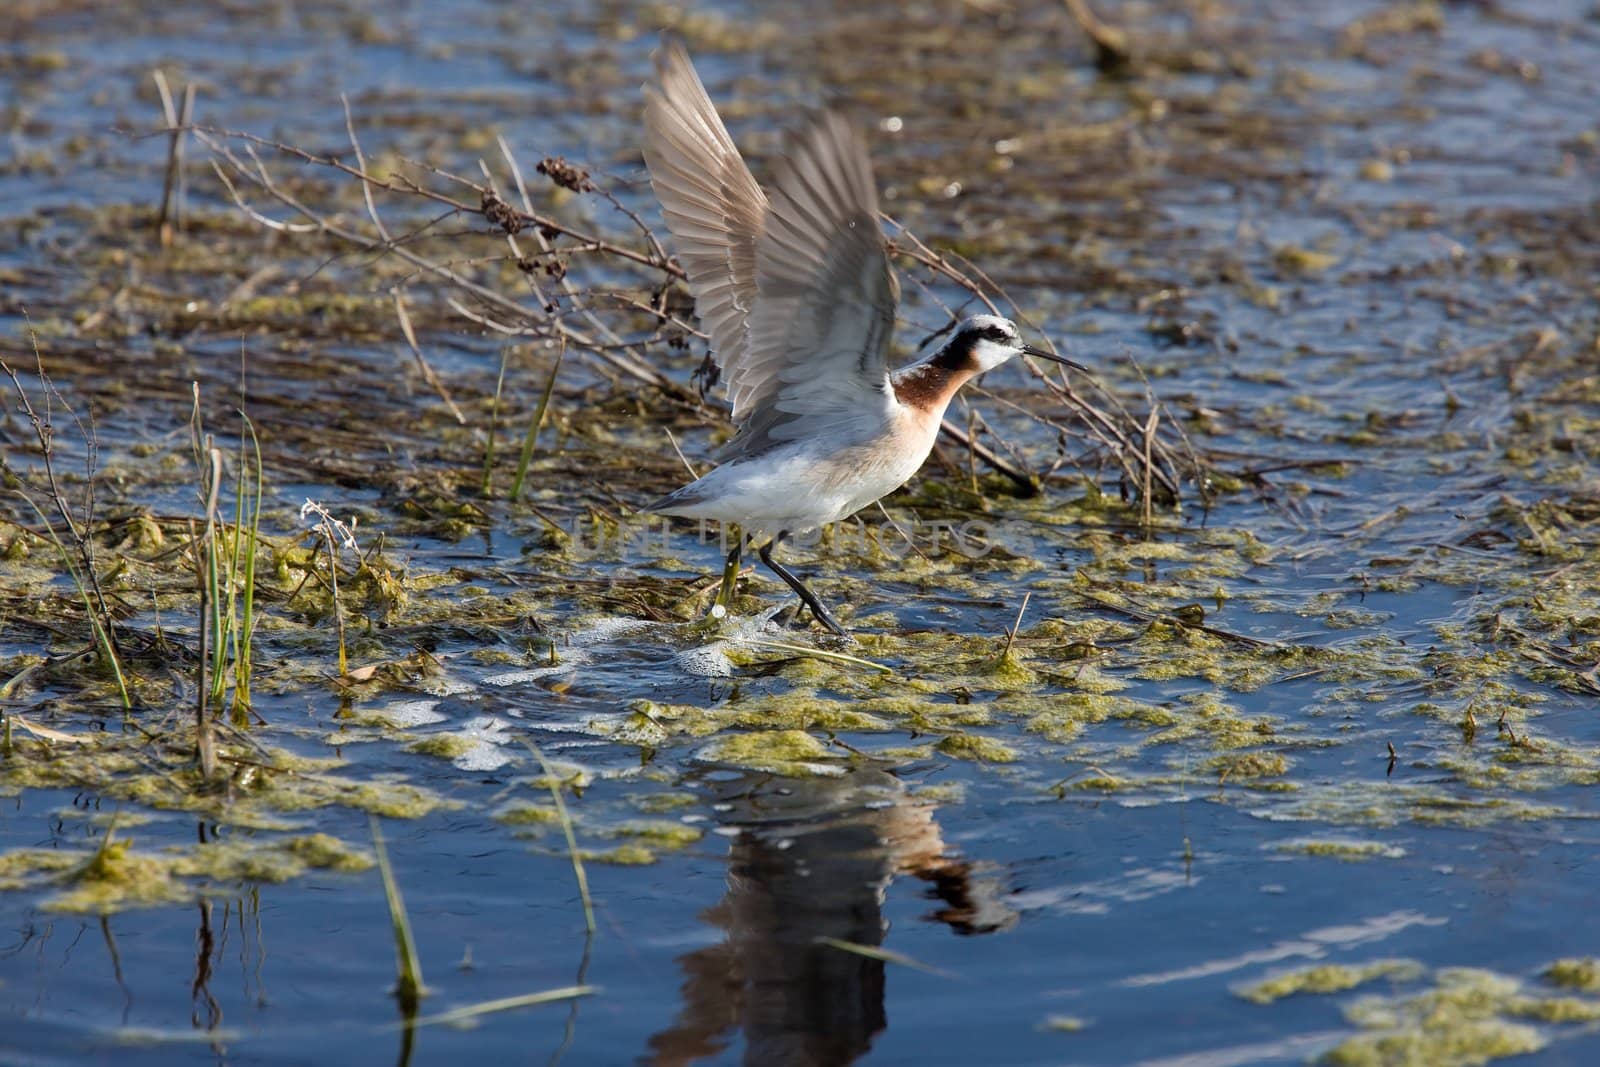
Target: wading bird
795, 290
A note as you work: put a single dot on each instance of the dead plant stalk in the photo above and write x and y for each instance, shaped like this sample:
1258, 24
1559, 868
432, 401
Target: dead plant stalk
83, 573
574, 296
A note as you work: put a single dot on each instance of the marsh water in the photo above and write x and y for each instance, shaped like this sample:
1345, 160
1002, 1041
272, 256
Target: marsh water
1301, 767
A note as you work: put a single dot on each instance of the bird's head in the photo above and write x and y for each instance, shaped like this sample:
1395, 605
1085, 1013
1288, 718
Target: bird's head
986, 341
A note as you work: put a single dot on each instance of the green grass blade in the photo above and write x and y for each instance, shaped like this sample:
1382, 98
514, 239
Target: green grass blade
242, 665
532, 437
572, 838
408, 984
873, 952
819, 653
490, 1007
494, 423
101, 637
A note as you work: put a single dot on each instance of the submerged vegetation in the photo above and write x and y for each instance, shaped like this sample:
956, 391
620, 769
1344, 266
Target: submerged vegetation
324, 436
1457, 1015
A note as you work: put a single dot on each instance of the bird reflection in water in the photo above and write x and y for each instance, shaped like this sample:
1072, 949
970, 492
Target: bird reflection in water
810, 863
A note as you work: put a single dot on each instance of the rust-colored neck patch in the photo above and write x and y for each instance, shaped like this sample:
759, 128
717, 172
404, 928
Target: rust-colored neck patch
930, 386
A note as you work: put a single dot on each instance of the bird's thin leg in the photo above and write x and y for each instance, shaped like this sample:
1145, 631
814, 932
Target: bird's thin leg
730, 571
807, 597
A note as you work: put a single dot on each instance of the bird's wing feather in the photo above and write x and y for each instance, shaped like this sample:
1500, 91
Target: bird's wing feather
712, 204
820, 327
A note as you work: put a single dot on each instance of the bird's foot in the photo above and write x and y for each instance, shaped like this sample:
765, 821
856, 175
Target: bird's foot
825, 617
797, 619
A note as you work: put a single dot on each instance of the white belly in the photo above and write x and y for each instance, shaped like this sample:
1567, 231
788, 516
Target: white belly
796, 488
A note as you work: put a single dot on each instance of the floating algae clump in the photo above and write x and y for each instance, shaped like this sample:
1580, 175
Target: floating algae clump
621, 856
116, 877
522, 813
1248, 765
1327, 978
270, 861
1556, 1009
801, 710
1349, 851
1167, 651
1460, 1021
1293, 260
1581, 974
325, 852
445, 746
787, 752
1223, 725
1006, 672
659, 833
16, 866
657, 803
392, 800
1064, 716
1467, 1044
277, 782
975, 747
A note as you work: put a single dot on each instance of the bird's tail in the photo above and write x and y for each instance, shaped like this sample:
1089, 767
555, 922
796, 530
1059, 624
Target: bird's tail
673, 502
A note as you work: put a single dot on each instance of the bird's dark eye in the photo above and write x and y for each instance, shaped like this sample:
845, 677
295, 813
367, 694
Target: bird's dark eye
997, 334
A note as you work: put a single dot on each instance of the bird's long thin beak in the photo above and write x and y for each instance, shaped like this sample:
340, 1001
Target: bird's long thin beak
1053, 358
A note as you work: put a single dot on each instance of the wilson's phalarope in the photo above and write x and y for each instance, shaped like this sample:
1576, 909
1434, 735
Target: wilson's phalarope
797, 295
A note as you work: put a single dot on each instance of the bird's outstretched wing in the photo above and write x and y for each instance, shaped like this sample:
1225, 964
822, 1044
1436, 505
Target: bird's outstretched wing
796, 291
820, 329
712, 203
